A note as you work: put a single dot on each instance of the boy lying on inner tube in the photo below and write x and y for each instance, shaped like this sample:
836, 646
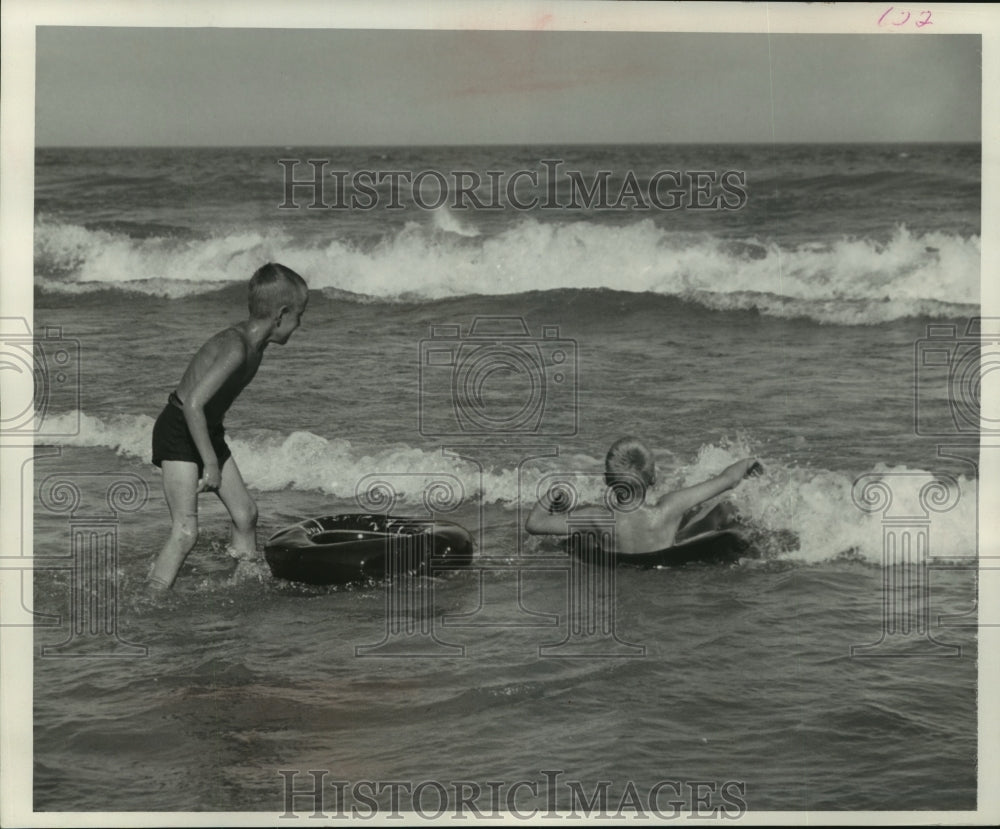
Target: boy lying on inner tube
642, 526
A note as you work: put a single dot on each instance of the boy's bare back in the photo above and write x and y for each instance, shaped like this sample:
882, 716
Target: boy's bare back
221, 369
643, 526
647, 528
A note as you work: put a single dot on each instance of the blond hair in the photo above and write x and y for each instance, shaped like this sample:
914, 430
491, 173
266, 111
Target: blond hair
629, 464
272, 287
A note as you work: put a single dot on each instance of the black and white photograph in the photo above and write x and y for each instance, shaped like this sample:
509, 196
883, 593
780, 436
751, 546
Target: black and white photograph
511, 413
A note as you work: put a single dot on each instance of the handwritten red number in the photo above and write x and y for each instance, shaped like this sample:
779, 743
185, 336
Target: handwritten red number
903, 17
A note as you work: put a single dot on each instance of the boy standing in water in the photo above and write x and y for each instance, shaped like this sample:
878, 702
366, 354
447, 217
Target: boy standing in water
642, 527
188, 437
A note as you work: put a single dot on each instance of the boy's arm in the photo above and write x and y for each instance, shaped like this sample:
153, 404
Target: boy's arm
684, 499
551, 516
227, 360
545, 520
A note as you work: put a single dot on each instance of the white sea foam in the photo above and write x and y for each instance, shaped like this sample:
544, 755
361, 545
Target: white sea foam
850, 281
831, 512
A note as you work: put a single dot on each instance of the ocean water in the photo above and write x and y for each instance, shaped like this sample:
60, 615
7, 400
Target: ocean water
793, 327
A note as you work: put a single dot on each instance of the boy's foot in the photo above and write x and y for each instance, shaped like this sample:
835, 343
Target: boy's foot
241, 555
157, 585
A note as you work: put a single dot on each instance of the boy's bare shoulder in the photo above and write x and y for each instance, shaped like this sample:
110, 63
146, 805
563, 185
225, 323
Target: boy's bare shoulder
227, 343
230, 337
221, 356
667, 505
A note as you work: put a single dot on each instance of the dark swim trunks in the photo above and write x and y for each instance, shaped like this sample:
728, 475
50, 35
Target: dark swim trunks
172, 439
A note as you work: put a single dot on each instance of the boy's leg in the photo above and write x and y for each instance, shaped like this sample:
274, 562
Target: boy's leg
242, 510
180, 486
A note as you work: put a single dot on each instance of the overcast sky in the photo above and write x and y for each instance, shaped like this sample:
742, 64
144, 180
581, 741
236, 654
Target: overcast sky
132, 86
